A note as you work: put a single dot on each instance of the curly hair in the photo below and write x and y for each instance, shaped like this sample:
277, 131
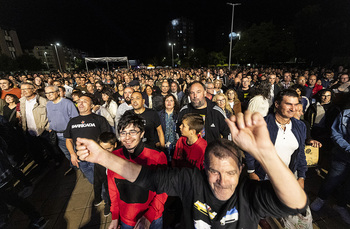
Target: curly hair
263, 89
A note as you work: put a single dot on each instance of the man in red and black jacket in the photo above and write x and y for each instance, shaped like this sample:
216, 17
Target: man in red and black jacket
131, 204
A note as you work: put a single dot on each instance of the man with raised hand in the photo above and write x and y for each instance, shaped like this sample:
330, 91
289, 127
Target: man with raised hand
218, 198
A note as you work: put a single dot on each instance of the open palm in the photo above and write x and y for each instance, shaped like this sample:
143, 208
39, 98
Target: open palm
249, 132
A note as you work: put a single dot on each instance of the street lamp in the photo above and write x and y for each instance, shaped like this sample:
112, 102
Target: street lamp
233, 13
172, 53
58, 58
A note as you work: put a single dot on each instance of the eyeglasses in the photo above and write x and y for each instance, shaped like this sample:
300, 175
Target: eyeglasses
132, 133
221, 100
210, 88
50, 93
26, 89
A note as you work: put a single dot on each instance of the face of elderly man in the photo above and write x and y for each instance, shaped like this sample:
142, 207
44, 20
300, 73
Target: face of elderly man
223, 175
197, 96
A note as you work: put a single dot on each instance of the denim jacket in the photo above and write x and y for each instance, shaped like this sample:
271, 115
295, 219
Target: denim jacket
341, 134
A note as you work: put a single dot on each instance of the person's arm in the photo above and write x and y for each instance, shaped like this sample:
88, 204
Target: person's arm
90, 151
161, 136
73, 157
250, 133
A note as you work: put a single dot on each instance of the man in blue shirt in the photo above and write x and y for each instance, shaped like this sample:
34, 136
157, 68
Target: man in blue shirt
59, 112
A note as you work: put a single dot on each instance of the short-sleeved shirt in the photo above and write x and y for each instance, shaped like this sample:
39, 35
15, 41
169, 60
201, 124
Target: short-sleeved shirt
151, 121
87, 126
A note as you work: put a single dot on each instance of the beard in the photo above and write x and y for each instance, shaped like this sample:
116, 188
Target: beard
128, 101
198, 103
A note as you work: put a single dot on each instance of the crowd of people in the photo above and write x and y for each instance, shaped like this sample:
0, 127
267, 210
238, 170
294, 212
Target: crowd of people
186, 129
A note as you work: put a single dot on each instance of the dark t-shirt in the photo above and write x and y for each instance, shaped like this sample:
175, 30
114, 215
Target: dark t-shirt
88, 126
251, 201
151, 122
82, 89
8, 113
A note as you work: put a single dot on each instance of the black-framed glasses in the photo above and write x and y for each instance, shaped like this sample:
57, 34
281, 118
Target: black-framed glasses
132, 133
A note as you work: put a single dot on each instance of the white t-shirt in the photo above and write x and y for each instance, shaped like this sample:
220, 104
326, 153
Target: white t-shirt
31, 126
286, 143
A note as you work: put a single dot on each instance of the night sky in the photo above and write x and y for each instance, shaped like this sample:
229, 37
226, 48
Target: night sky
133, 28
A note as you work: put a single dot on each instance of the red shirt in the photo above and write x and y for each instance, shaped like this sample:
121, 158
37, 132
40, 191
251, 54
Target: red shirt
130, 202
189, 156
316, 89
14, 91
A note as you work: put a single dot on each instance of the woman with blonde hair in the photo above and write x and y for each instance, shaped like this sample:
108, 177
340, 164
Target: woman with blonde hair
221, 100
218, 86
233, 101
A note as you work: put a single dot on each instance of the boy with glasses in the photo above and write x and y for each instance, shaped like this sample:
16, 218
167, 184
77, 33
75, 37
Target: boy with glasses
132, 205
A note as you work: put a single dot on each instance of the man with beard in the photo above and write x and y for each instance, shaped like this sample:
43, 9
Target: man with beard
213, 116
98, 93
124, 106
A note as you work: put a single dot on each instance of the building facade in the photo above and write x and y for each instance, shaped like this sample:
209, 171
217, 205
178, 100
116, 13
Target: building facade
180, 34
9, 43
58, 57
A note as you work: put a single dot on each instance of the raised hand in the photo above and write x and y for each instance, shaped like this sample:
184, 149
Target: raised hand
89, 150
249, 132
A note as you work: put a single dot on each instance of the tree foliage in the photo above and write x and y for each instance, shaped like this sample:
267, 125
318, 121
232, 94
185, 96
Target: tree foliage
216, 58
322, 31
24, 62
264, 43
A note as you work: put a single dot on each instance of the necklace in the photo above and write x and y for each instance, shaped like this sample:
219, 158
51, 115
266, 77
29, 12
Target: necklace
283, 125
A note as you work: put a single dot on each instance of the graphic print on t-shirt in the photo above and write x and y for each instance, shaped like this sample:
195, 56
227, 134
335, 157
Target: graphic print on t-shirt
83, 125
231, 215
205, 209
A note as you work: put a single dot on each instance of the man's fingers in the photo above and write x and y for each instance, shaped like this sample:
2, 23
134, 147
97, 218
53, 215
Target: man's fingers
83, 156
248, 118
257, 119
231, 122
82, 141
240, 121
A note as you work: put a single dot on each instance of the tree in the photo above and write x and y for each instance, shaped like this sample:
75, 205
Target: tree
322, 31
7, 64
30, 63
264, 44
216, 58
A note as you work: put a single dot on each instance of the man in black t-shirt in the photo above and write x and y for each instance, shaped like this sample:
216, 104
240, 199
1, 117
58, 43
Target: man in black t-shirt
244, 93
86, 125
154, 135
